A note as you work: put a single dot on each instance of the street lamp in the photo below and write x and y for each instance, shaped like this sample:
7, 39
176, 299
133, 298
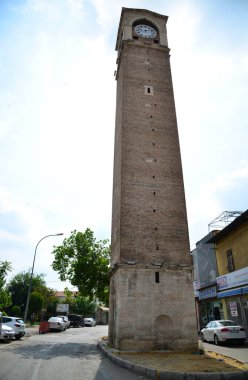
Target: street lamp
31, 277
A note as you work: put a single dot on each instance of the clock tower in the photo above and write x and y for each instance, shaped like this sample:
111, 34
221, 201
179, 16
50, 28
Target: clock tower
151, 291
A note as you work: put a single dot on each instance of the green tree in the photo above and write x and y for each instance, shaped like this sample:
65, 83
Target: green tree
5, 299
84, 306
36, 302
5, 267
5, 296
16, 311
18, 287
85, 263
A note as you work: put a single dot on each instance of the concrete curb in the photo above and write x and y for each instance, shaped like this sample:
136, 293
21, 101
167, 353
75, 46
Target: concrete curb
151, 373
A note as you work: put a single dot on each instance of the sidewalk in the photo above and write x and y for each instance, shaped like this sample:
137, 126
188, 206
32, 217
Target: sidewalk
162, 365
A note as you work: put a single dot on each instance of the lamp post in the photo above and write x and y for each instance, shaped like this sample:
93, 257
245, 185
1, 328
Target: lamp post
31, 277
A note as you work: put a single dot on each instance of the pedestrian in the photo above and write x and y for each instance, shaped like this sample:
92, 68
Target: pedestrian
32, 318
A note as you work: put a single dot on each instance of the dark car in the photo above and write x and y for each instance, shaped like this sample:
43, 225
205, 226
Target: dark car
76, 320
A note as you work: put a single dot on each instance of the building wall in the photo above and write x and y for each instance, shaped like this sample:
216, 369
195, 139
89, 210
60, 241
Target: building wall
147, 316
237, 241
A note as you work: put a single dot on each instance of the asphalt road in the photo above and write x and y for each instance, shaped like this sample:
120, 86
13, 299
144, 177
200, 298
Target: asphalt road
68, 355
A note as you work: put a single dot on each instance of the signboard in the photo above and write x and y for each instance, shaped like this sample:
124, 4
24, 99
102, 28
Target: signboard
233, 279
207, 293
233, 309
196, 286
62, 308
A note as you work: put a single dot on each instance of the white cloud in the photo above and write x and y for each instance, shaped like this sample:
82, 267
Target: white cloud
210, 200
58, 110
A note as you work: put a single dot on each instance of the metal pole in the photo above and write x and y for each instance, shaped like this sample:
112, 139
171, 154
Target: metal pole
31, 277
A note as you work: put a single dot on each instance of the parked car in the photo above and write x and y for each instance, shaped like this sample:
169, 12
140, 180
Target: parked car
66, 320
6, 333
57, 323
16, 324
76, 320
89, 322
223, 331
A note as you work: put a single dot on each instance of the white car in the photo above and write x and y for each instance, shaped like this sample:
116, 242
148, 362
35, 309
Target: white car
57, 323
89, 322
6, 333
66, 320
223, 331
16, 324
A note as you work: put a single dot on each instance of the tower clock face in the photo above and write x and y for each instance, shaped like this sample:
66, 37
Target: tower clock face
145, 31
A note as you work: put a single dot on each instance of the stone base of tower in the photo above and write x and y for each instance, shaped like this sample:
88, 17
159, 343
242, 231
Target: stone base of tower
152, 309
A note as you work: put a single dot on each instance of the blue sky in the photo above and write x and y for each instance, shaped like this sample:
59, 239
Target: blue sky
57, 62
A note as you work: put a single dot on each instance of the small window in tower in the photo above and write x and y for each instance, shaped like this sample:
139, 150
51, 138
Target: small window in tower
154, 210
148, 90
157, 277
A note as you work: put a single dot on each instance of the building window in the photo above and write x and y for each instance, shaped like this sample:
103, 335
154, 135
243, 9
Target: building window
157, 277
230, 262
148, 90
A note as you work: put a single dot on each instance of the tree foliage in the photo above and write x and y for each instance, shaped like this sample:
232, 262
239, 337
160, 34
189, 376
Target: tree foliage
18, 287
84, 306
85, 263
5, 267
36, 302
5, 296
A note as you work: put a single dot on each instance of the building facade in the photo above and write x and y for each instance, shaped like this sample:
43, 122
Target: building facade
221, 274
231, 247
151, 266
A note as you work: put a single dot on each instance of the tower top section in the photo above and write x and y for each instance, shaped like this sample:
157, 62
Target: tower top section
141, 24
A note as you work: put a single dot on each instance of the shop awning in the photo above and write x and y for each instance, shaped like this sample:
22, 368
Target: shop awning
232, 292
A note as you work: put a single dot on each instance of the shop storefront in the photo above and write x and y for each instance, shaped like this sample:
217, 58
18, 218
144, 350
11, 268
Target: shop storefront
210, 307
233, 292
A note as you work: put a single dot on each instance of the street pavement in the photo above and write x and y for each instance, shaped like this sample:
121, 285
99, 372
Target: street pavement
149, 370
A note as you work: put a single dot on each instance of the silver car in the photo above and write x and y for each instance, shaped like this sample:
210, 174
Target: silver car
6, 332
57, 323
223, 331
16, 324
66, 320
89, 322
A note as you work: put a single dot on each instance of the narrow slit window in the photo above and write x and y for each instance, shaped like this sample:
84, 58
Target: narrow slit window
148, 90
157, 277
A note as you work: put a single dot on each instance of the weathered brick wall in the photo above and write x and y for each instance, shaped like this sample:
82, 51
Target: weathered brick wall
149, 214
